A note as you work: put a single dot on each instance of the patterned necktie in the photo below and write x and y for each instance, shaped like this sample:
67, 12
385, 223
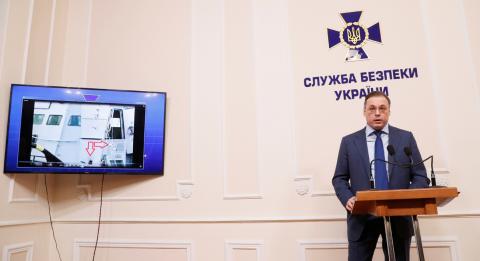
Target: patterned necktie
381, 180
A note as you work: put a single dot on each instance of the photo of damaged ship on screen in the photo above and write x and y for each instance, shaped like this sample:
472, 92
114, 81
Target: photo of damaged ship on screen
72, 134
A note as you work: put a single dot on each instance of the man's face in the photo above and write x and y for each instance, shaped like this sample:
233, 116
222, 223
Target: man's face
377, 112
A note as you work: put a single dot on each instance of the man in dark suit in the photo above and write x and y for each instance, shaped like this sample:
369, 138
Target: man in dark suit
352, 174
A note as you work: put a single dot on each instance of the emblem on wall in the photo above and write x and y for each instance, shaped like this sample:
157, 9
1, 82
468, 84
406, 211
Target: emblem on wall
354, 36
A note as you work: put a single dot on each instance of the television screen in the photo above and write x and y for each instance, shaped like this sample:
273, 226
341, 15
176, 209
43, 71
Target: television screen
79, 130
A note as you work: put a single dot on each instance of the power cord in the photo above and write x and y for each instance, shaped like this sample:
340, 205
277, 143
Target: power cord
51, 222
99, 217
50, 216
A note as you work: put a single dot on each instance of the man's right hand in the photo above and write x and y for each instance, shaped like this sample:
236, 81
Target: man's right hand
350, 203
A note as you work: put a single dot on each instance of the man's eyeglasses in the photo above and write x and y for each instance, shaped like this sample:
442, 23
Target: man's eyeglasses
381, 110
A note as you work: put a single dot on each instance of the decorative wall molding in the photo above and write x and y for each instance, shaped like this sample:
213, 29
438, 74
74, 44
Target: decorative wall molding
184, 188
221, 97
21, 222
231, 245
324, 193
441, 176
468, 48
27, 41
4, 15
213, 219
9, 250
87, 42
11, 190
242, 196
264, 219
428, 242
50, 40
184, 191
223, 116
303, 185
442, 171
436, 82
133, 244
216, 219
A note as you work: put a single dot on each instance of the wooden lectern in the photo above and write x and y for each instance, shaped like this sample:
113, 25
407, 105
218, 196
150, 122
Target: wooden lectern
403, 202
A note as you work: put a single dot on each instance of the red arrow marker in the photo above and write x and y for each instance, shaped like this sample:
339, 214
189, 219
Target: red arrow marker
91, 145
100, 144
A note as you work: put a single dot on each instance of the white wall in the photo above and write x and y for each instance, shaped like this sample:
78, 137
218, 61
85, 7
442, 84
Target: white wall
250, 151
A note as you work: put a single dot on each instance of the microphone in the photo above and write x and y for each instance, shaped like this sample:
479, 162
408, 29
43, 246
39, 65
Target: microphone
372, 181
432, 173
391, 152
408, 152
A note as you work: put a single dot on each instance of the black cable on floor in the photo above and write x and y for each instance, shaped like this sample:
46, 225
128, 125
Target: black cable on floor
50, 215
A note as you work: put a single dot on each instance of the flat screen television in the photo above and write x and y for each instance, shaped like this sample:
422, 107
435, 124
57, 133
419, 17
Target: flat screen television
78, 130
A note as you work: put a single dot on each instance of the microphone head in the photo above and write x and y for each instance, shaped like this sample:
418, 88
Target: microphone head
391, 150
407, 151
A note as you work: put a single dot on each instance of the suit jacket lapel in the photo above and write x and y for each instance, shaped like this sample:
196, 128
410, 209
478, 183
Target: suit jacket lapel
361, 144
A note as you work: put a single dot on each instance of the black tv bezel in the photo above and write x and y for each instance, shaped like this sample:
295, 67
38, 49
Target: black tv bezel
106, 170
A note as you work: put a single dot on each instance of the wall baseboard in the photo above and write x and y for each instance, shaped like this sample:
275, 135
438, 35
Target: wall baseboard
22, 222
